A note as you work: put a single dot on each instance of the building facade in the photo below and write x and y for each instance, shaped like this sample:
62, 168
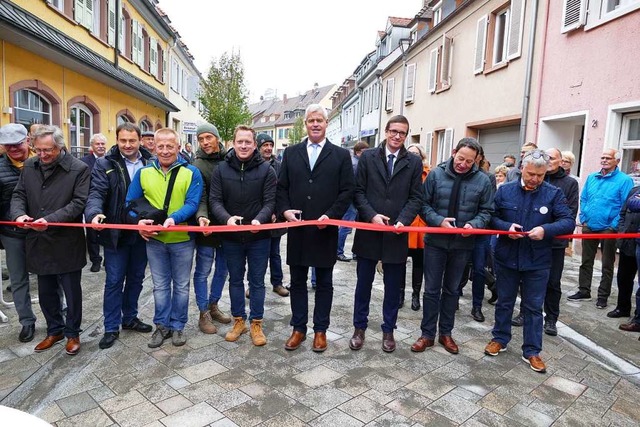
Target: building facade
85, 66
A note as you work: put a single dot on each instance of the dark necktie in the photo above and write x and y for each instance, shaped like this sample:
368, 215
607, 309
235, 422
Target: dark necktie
390, 164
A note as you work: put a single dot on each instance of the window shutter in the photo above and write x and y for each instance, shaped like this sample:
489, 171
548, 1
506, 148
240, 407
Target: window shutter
164, 66
433, 70
516, 27
78, 11
389, 101
153, 56
410, 87
134, 41
573, 14
111, 32
481, 44
121, 46
88, 14
429, 145
445, 65
448, 143
140, 46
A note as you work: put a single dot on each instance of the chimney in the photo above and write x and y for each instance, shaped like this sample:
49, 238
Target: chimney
284, 98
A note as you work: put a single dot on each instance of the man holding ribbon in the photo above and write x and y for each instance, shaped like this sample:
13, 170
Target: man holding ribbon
388, 192
540, 212
315, 183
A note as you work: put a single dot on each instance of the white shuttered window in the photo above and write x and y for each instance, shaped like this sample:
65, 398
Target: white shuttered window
481, 44
410, 86
573, 14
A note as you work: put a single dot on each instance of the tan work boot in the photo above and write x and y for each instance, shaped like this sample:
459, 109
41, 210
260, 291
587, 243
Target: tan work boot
239, 328
217, 314
257, 335
206, 323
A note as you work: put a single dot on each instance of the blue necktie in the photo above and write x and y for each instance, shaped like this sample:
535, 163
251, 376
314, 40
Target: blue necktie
390, 164
314, 155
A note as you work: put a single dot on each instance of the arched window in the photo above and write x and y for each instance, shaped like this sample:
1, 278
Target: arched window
80, 129
124, 116
145, 125
31, 107
122, 119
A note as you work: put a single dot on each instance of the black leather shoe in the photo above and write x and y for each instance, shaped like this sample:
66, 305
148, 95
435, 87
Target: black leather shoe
401, 303
108, 339
476, 313
518, 320
614, 314
27, 333
343, 258
138, 326
493, 299
95, 267
388, 342
550, 328
415, 303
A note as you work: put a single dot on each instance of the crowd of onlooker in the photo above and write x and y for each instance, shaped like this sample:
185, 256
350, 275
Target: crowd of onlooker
150, 179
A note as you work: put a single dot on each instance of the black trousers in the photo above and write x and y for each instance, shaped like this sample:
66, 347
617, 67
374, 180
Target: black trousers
93, 247
52, 307
627, 269
554, 290
300, 299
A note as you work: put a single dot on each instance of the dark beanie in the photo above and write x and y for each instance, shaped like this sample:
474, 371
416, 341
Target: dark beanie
261, 138
207, 128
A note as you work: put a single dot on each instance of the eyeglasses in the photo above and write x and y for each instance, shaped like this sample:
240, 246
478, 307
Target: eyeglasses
44, 150
537, 154
395, 133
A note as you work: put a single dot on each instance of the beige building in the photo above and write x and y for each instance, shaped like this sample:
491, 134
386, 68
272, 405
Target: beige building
465, 76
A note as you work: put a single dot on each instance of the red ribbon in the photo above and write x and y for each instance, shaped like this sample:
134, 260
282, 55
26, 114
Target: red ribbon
350, 224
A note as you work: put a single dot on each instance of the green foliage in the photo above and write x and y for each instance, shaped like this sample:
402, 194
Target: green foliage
224, 96
298, 131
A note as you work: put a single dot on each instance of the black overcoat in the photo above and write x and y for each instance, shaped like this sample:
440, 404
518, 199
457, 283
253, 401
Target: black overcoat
399, 197
59, 198
327, 190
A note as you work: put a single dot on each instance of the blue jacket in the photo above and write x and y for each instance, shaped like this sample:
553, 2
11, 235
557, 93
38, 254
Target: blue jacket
545, 206
602, 198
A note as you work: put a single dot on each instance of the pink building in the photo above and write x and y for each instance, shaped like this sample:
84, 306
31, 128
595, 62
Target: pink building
586, 87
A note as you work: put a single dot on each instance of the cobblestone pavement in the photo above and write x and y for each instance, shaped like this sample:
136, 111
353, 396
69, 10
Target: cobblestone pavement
216, 383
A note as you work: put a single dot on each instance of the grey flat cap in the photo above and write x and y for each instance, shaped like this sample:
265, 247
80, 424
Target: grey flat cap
12, 134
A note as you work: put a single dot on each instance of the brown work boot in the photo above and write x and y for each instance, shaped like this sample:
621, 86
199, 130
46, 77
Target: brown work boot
257, 335
206, 323
239, 328
218, 315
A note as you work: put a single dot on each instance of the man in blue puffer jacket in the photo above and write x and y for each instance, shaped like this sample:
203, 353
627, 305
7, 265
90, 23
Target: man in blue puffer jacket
541, 212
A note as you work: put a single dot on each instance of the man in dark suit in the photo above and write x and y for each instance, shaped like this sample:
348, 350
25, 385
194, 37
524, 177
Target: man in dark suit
315, 183
388, 191
98, 149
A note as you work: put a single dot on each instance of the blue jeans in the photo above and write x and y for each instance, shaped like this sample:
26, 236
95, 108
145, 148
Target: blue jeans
343, 232
204, 261
124, 268
636, 315
393, 277
533, 289
443, 270
170, 265
275, 262
481, 249
255, 256
17, 265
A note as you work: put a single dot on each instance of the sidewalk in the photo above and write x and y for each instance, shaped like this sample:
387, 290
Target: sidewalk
213, 382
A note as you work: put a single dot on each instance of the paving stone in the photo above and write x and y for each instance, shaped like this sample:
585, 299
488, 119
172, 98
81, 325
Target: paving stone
177, 382
225, 422
157, 392
137, 415
570, 387
363, 409
323, 399
302, 412
233, 378
454, 407
122, 384
95, 418
174, 404
201, 371
76, 404
628, 408
377, 396
336, 418
201, 391
528, 416
195, 416
283, 419
430, 387
407, 402
101, 393
121, 402
52, 413
429, 418
392, 419
318, 376
615, 419
489, 418
228, 399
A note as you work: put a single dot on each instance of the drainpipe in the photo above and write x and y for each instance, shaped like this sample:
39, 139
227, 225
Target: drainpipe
116, 42
527, 83
541, 66
379, 109
360, 113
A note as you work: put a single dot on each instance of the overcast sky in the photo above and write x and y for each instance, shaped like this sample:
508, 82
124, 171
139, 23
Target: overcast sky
286, 45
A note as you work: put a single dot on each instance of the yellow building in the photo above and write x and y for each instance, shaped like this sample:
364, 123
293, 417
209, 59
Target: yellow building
84, 65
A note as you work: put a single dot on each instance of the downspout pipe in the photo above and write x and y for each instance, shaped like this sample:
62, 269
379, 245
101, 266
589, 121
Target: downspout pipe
526, 97
116, 42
